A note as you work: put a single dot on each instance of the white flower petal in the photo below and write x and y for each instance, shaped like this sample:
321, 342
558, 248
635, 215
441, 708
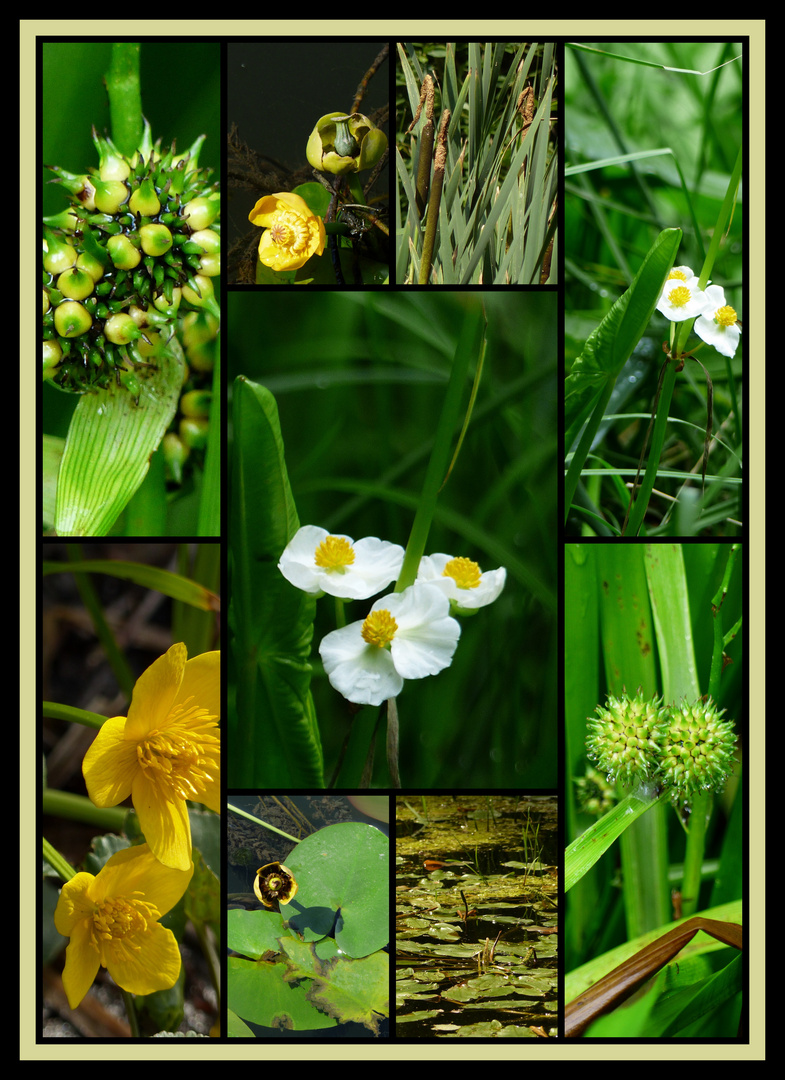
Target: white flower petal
431, 572
376, 564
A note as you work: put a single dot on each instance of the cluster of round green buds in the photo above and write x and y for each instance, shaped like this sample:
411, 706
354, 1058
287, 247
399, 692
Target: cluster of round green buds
136, 250
594, 794
685, 749
698, 749
624, 738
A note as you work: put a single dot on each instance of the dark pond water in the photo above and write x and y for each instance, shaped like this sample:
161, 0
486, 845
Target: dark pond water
476, 942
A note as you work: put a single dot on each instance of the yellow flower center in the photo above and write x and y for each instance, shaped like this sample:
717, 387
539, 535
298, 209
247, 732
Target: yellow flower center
289, 231
677, 275
182, 757
725, 316
680, 296
118, 920
465, 573
379, 628
334, 553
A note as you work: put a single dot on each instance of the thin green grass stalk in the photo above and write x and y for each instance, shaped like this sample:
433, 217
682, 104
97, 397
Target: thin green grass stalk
125, 96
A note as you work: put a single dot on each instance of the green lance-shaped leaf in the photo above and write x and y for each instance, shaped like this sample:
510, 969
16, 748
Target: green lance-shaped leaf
592, 378
111, 437
275, 741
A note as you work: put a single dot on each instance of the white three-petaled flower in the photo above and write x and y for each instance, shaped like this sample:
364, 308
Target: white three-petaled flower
407, 635
318, 562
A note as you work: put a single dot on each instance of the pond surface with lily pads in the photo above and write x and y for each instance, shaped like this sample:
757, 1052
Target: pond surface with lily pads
476, 916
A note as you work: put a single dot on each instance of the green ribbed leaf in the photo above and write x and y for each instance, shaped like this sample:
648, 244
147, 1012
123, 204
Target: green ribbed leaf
275, 740
107, 451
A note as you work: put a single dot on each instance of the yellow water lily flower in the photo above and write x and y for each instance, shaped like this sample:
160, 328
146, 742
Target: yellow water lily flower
165, 752
112, 921
292, 232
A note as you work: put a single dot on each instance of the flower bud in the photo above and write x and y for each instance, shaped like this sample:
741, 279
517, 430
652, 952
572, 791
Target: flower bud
342, 143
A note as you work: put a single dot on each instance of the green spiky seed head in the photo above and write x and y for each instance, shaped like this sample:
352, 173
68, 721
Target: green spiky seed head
594, 794
624, 738
126, 243
698, 749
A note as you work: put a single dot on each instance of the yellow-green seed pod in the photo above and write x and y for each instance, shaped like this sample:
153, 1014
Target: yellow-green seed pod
156, 239
92, 266
110, 196
201, 357
205, 294
144, 201
175, 454
210, 265
72, 319
47, 304
120, 329
53, 354
208, 240
123, 252
196, 404
193, 432
75, 284
202, 211
59, 256
197, 328
162, 304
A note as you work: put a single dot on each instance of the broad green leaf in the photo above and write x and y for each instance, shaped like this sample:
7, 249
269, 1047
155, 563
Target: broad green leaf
610, 345
150, 577
275, 739
110, 439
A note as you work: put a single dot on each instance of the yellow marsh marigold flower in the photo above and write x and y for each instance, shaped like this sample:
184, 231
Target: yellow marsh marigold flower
292, 232
165, 752
112, 921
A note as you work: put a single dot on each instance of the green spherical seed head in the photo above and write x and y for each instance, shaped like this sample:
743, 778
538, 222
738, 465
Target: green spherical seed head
75, 284
624, 737
120, 329
698, 749
72, 319
110, 195
123, 252
156, 239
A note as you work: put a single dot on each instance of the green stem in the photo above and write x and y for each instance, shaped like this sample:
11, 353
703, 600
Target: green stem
125, 96
130, 1012
584, 446
439, 163
56, 711
700, 812
67, 804
469, 347
272, 828
57, 862
657, 441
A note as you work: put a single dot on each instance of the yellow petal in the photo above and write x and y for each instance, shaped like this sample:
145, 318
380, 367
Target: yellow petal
155, 965
202, 679
74, 904
164, 822
110, 764
82, 962
155, 691
137, 870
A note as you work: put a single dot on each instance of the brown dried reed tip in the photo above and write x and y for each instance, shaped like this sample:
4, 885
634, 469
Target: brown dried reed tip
441, 143
525, 107
426, 97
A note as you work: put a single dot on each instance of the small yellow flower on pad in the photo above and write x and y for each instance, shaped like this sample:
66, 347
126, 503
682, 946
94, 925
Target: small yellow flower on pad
112, 921
292, 232
165, 752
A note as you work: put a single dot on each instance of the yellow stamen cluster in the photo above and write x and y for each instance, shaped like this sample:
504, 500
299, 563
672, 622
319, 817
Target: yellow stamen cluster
725, 316
379, 628
290, 231
119, 918
179, 757
465, 573
680, 296
334, 553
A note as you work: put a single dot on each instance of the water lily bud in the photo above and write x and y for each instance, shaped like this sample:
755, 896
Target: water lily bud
156, 239
72, 319
75, 284
342, 143
123, 252
625, 737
